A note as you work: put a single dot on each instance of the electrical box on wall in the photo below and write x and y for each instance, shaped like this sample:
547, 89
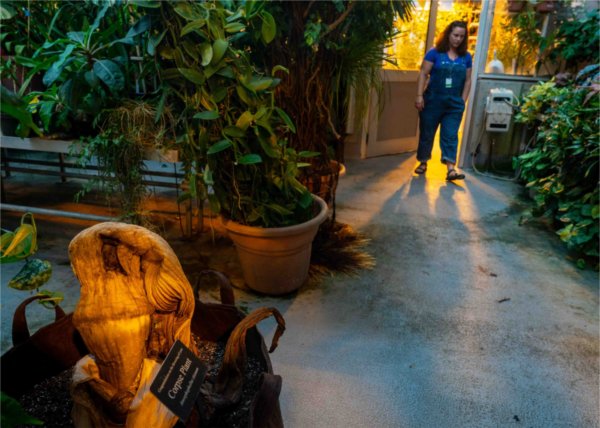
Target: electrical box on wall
498, 110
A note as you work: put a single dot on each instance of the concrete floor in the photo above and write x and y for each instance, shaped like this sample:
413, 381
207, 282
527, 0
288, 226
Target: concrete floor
468, 319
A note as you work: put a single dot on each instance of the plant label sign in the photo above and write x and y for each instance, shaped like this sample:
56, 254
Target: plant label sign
178, 381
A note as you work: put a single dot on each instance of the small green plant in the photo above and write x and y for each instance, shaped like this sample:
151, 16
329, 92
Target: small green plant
124, 136
121, 169
19, 245
561, 169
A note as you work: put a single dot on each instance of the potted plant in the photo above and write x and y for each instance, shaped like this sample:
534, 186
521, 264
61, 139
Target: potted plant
330, 48
235, 137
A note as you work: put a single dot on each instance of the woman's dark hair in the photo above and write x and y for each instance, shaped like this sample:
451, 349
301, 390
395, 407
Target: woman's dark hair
442, 44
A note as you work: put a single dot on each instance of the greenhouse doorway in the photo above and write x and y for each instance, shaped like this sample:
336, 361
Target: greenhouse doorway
394, 129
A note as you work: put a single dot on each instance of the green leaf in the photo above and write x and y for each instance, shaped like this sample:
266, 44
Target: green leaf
186, 11
207, 177
268, 142
45, 112
92, 29
211, 69
110, 73
193, 26
219, 48
237, 15
219, 147
586, 210
280, 68
306, 200
206, 51
76, 36
19, 113
249, 7
6, 11
566, 232
192, 75
33, 275
279, 209
226, 72
50, 299
244, 95
251, 158
152, 4
244, 120
56, 69
219, 94
234, 27
259, 83
191, 49
139, 27
595, 212
288, 121
215, 205
13, 414
268, 28
160, 108
207, 115
91, 79
308, 154
234, 131
154, 41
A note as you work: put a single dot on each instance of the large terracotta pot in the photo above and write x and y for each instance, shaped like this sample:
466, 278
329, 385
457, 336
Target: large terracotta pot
275, 261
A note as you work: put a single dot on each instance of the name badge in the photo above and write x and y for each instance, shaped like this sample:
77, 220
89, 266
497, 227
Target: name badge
448, 82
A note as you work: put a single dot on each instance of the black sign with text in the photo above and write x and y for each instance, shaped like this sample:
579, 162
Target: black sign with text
178, 381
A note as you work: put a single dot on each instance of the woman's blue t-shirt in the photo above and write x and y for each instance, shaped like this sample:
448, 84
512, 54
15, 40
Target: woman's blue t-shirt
436, 58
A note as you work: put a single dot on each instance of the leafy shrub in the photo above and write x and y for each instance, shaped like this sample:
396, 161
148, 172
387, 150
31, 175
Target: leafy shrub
561, 168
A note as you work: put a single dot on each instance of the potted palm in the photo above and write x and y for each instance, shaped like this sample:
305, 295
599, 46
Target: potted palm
236, 139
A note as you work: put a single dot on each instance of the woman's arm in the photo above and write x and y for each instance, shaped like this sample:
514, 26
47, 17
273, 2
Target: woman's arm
467, 88
423, 73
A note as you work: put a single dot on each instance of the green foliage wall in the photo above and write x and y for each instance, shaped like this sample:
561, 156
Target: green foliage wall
561, 168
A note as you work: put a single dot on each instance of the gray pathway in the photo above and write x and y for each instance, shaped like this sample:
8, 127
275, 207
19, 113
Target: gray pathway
428, 339
468, 319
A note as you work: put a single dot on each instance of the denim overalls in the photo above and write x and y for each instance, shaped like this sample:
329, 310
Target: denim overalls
443, 105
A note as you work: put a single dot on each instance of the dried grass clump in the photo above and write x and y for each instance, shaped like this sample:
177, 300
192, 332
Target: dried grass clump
338, 248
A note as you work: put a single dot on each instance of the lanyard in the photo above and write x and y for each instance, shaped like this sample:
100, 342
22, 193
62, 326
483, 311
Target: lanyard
449, 70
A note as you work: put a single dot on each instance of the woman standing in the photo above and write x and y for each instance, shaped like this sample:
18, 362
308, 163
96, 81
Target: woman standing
448, 66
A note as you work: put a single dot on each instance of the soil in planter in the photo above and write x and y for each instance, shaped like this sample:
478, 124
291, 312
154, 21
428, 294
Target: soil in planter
50, 400
237, 416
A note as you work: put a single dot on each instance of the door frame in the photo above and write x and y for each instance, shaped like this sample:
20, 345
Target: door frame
486, 18
370, 123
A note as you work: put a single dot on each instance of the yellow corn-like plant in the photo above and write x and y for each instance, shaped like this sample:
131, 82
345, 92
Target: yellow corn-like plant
20, 243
